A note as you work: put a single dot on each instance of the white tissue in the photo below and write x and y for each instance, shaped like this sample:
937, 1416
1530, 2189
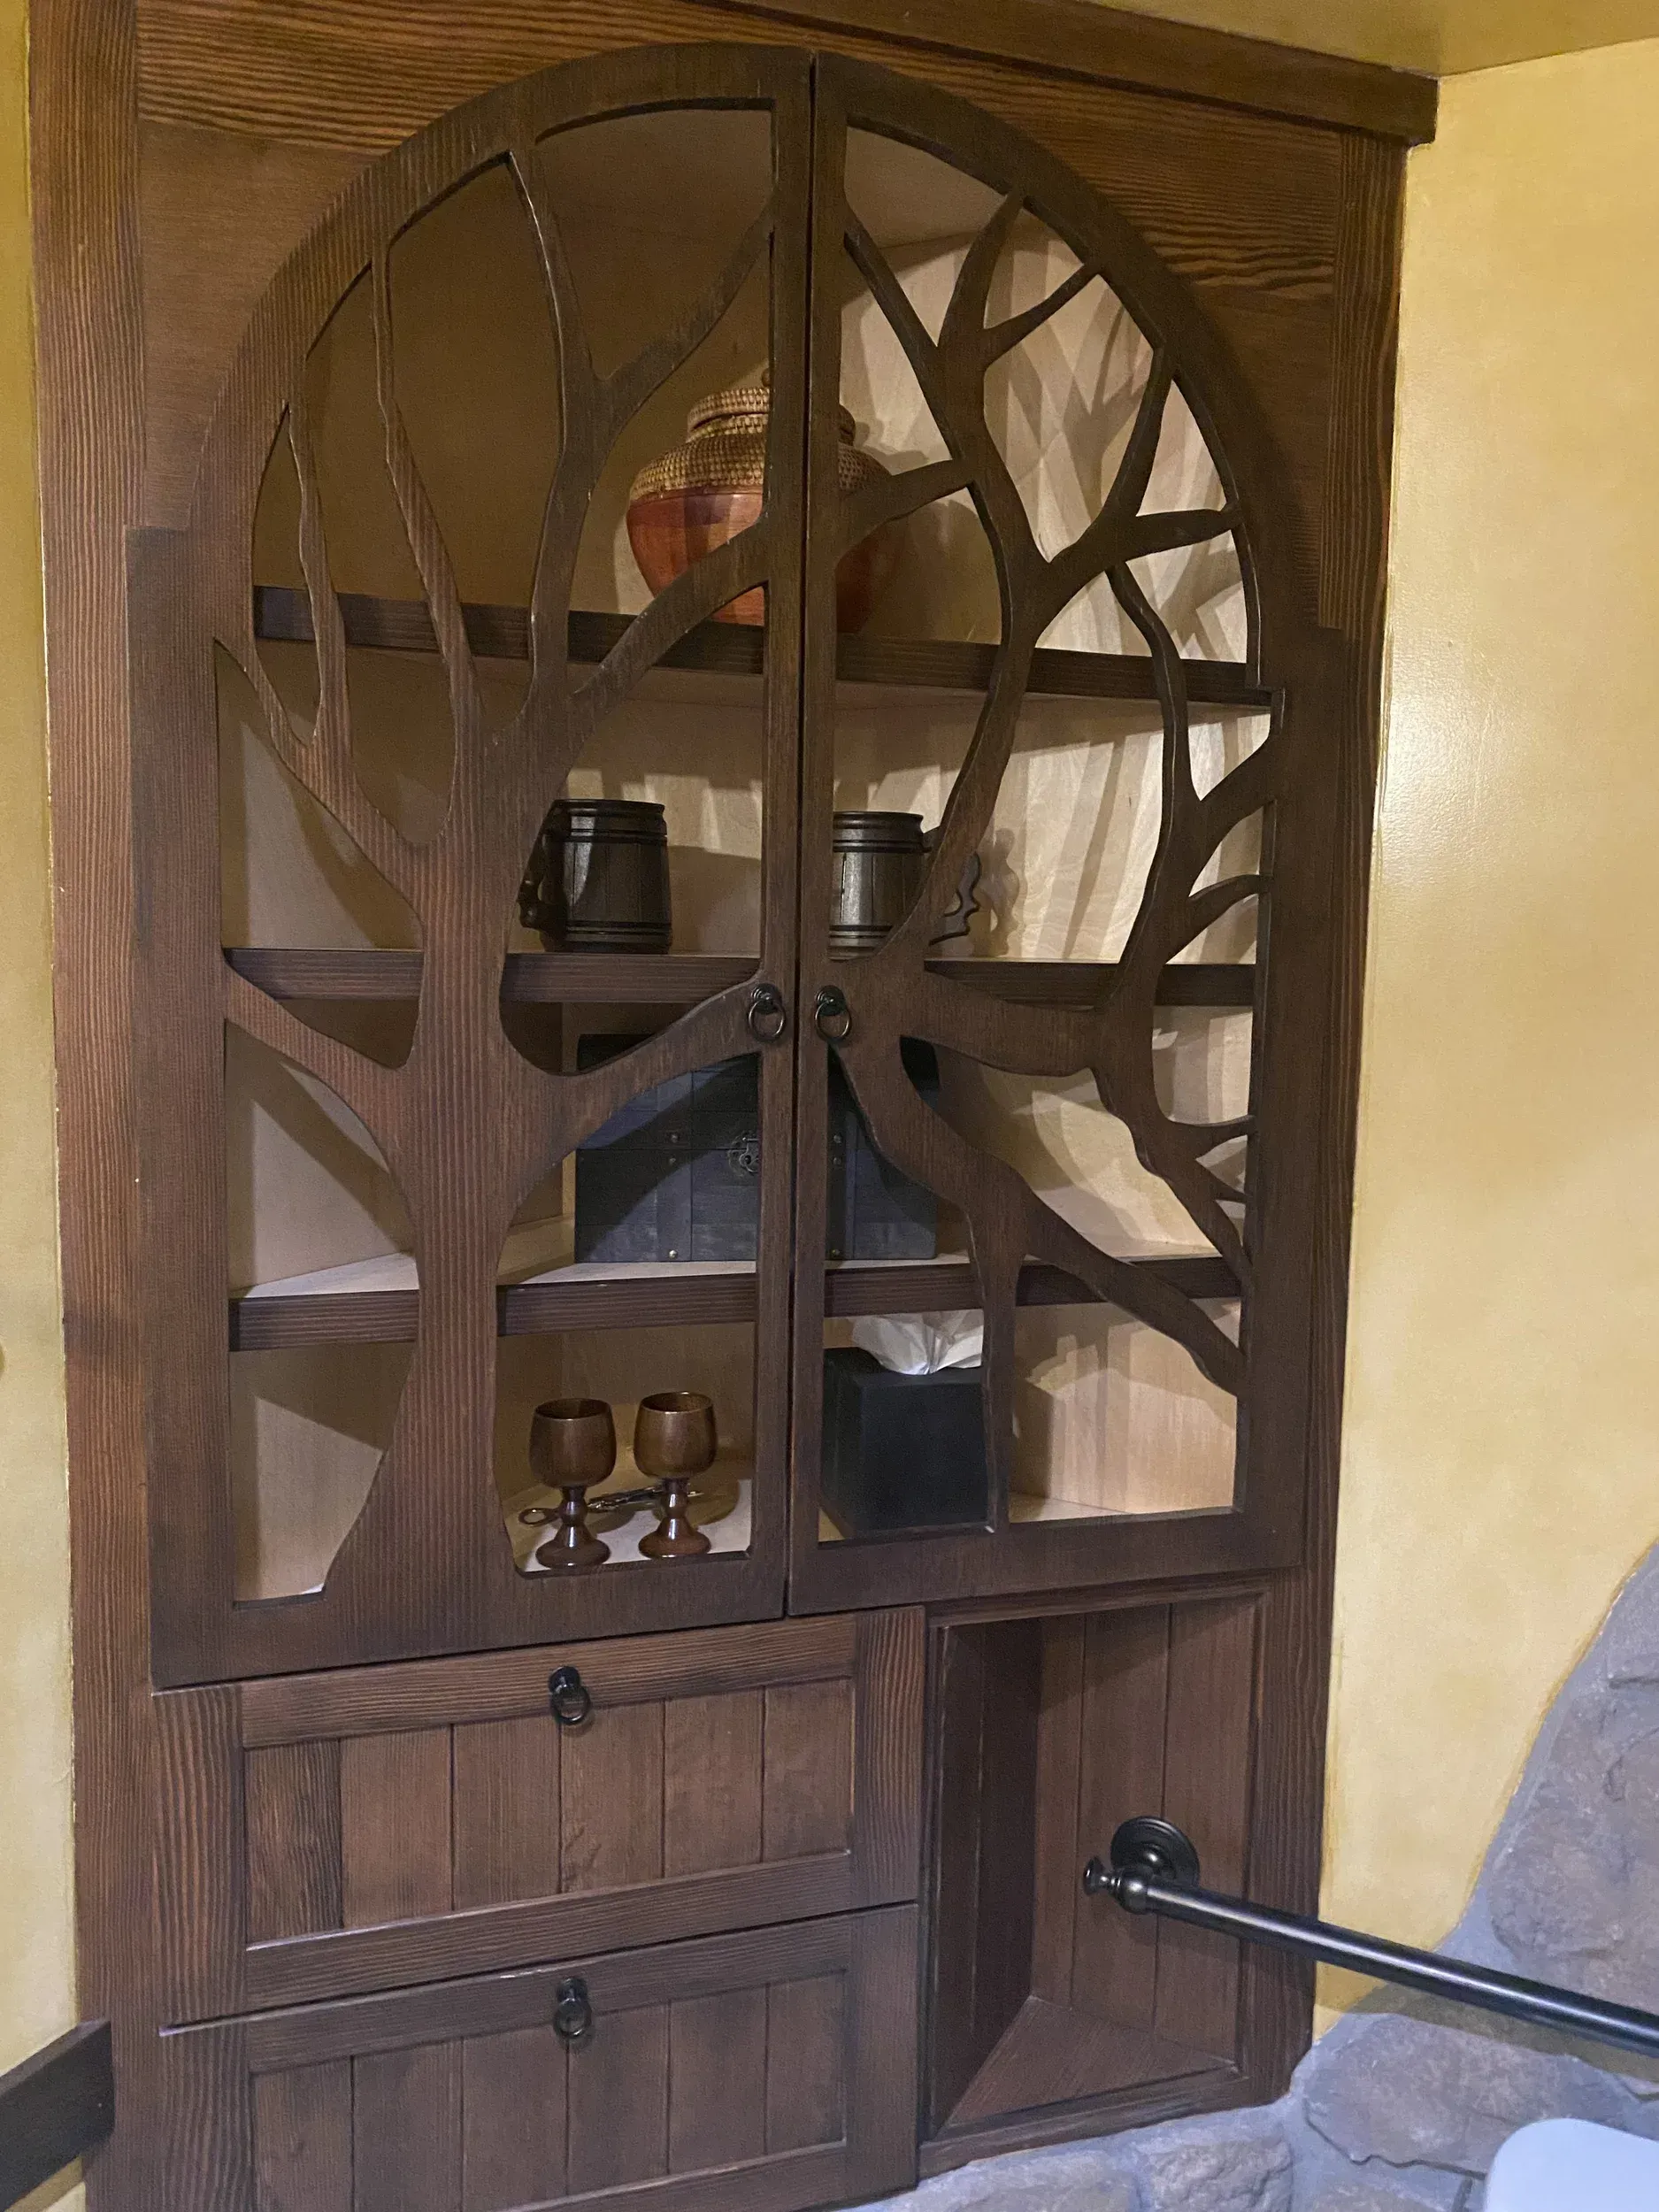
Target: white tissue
921, 1343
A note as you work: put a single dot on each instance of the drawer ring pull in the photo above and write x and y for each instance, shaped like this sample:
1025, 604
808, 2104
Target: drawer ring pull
573, 2014
569, 1696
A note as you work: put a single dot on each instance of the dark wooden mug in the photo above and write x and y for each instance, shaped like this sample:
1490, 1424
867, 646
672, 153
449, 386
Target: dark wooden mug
598, 877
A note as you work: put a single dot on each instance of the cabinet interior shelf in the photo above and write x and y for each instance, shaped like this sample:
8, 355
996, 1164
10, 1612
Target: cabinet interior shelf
354, 1305
282, 615
551, 978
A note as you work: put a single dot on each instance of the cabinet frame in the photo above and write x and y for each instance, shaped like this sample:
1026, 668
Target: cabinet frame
106, 120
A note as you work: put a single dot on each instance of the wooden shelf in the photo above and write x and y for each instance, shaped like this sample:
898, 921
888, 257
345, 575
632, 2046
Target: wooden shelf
376, 1301
673, 978
282, 615
530, 978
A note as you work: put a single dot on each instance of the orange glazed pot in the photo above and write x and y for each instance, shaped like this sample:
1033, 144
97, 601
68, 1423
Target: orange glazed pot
710, 489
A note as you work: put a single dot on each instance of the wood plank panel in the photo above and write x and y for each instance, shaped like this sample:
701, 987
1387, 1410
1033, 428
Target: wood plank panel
406, 2130
717, 2080
499, 1686
618, 2101
393, 1826
712, 1782
1207, 1792
506, 1812
806, 2062
301, 2124
611, 1812
512, 2119
227, 64
1126, 1698
807, 1804
1059, 1763
292, 1797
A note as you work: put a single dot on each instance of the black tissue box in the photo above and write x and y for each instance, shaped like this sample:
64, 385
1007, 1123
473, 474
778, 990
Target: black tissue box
902, 1451
675, 1174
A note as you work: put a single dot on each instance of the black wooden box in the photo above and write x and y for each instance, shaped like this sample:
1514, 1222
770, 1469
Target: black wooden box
902, 1451
675, 1175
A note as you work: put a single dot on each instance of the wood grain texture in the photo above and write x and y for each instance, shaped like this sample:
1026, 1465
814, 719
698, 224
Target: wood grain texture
712, 1764
405, 1823
610, 1800
513, 2119
1277, 1996
806, 2070
618, 2101
717, 2080
1208, 1753
506, 1812
395, 1826
1126, 1717
808, 1801
317, 82
747, 2073
406, 2130
291, 1795
301, 2131
83, 166
1057, 1784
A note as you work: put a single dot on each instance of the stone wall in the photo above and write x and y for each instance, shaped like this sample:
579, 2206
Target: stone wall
1405, 2103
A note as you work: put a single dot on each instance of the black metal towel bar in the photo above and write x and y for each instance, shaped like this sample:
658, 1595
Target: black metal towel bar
1154, 1869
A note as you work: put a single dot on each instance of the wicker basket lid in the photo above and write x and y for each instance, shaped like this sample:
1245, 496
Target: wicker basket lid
725, 449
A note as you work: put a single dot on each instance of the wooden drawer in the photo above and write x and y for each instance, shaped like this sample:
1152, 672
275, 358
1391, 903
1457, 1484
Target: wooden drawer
756, 2072
324, 1834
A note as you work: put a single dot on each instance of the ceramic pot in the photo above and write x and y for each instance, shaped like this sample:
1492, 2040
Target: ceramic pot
709, 489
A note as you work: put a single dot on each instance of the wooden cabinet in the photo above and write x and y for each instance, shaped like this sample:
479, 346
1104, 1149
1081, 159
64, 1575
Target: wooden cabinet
1109, 309
762, 2072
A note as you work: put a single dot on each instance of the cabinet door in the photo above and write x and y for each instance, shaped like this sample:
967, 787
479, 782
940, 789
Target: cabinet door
331, 1833
746, 2073
1098, 1096
457, 1119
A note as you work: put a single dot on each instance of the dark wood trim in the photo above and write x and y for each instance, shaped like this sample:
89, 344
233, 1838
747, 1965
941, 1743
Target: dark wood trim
384, 976
681, 1296
282, 615
83, 145
1217, 2089
54, 2108
1112, 46
1294, 1651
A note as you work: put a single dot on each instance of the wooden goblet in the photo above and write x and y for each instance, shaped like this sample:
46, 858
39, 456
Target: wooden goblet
572, 1446
673, 1440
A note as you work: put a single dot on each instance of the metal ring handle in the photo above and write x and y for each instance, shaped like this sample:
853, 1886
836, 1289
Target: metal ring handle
832, 1016
573, 2012
569, 1696
768, 1016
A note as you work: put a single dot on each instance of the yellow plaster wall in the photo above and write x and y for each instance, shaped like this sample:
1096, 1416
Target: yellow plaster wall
1501, 1455
36, 1941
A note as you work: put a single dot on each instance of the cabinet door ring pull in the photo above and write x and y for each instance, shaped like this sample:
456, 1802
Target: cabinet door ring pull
573, 2014
832, 1016
569, 1696
768, 1016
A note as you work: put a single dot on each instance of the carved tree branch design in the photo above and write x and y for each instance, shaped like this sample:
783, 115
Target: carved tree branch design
1110, 1038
